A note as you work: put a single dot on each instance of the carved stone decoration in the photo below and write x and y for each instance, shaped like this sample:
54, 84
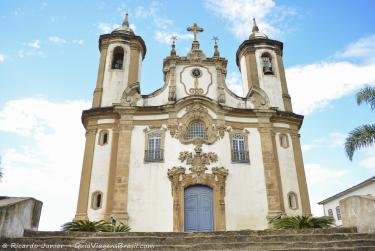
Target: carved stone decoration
131, 95
197, 89
197, 112
180, 180
259, 98
172, 93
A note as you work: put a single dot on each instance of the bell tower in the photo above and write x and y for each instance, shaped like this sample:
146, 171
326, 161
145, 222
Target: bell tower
121, 55
260, 62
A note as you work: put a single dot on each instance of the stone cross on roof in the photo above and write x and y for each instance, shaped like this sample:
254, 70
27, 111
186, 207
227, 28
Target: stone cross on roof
195, 29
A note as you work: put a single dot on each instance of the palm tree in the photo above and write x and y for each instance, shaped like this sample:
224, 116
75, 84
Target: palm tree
364, 135
300, 222
93, 226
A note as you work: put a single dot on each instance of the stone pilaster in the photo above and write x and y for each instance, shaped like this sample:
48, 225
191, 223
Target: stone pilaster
271, 166
284, 86
84, 189
302, 185
120, 193
97, 99
251, 69
134, 64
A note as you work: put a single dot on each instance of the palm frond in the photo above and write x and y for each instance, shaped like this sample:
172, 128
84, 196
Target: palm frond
362, 136
86, 226
300, 222
367, 95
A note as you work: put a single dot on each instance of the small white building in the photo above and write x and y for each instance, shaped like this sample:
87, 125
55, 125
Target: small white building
331, 205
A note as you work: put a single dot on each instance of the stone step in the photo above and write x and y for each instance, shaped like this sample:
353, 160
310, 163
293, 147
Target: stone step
166, 240
195, 234
92, 243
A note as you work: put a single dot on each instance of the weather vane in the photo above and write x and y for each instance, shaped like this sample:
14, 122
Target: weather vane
215, 39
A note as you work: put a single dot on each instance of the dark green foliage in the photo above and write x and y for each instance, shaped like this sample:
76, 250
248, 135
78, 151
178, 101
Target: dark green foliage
93, 226
362, 136
300, 222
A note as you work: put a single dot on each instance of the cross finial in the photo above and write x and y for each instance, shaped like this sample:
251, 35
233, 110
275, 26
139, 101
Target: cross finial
215, 39
174, 38
195, 29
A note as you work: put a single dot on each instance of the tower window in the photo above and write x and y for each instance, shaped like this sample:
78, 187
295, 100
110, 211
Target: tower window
196, 130
284, 142
154, 151
338, 213
239, 153
96, 200
103, 137
292, 200
267, 64
118, 58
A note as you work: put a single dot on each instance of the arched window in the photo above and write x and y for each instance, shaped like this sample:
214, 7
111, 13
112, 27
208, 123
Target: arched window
330, 212
154, 151
196, 129
284, 142
103, 137
267, 63
117, 58
338, 213
96, 200
292, 200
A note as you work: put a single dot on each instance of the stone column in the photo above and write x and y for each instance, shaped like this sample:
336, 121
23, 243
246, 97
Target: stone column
120, 192
251, 69
97, 99
271, 167
83, 196
302, 185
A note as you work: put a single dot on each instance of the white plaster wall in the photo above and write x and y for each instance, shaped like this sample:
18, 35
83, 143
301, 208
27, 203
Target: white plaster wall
288, 173
241, 119
271, 84
115, 81
209, 75
245, 85
283, 125
233, 101
366, 190
150, 199
151, 117
99, 175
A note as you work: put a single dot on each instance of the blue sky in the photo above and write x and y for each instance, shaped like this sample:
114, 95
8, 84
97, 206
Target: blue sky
49, 60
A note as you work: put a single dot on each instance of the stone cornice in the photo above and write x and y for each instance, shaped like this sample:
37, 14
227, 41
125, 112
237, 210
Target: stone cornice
133, 40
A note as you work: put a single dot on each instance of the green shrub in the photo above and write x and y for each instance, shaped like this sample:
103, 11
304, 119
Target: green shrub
299, 222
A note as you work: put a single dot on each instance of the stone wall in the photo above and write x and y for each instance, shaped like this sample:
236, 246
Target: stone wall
18, 214
359, 211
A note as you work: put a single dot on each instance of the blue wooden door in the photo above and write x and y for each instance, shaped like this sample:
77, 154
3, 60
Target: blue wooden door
198, 209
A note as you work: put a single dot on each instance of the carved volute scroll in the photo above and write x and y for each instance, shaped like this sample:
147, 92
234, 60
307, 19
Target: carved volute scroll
197, 112
181, 180
131, 95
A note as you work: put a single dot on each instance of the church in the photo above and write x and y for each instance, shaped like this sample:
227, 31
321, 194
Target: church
192, 155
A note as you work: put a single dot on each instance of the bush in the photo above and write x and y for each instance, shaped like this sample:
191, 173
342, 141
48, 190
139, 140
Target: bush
300, 222
93, 226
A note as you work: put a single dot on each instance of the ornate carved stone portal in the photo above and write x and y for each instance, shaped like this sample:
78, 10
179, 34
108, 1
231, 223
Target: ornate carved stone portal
181, 180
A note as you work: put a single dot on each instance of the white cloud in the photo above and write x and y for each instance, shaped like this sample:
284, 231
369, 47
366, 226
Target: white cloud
332, 140
57, 40
234, 83
163, 23
79, 42
239, 14
313, 86
364, 48
2, 58
142, 12
369, 160
165, 37
315, 174
47, 165
35, 44
107, 28
30, 53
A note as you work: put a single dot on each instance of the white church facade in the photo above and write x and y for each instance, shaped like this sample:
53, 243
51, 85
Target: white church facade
192, 155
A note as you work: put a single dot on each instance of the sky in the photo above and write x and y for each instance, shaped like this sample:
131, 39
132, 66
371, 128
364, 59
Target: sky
49, 60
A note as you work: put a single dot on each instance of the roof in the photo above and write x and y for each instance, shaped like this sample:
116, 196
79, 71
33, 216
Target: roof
353, 188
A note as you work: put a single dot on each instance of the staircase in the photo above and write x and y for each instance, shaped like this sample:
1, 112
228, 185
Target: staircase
309, 239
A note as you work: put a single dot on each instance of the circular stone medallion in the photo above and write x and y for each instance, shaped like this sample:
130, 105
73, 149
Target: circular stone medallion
196, 73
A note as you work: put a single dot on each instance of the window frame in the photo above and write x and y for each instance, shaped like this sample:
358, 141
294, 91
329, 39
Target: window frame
281, 136
94, 200
244, 134
330, 212
269, 56
290, 195
338, 213
204, 130
149, 132
113, 58
101, 137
